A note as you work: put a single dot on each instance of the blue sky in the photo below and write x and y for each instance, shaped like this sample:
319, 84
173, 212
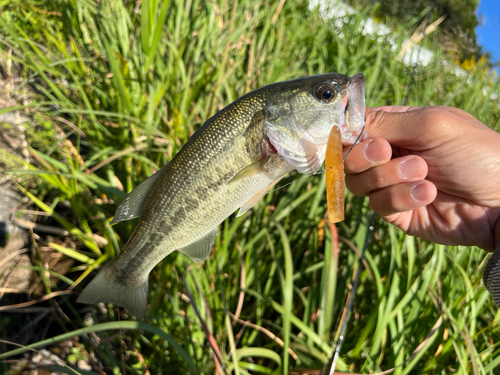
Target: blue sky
488, 35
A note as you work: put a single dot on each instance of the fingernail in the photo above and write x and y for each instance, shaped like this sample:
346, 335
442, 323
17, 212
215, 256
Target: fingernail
419, 193
373, 152
409, 168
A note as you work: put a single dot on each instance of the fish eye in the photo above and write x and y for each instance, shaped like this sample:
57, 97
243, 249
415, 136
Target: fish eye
326, 93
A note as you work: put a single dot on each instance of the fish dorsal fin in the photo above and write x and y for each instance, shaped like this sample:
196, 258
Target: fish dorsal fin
198, 251
251, 170
255, 198
131, 206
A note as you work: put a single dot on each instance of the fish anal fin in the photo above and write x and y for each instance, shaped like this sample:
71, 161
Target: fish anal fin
131, 206
199, 250
255, 198
251, 170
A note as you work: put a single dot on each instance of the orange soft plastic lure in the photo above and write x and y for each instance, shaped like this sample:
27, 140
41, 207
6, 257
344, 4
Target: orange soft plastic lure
334, 165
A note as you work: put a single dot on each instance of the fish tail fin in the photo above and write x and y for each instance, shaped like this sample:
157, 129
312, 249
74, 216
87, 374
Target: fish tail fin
491, 276
106, 288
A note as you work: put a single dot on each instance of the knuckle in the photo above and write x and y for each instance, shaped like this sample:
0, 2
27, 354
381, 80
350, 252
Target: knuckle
351, 164
442, 118
376, 179
353, 184
374, 118
386, 201
377, 203
355, 161
394, 202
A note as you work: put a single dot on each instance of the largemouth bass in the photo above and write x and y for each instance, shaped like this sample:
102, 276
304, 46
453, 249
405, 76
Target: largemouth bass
228, 164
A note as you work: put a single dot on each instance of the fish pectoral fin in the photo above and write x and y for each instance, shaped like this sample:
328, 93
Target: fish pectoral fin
491, 276
251, 170
198, 251
255, 198
131, 206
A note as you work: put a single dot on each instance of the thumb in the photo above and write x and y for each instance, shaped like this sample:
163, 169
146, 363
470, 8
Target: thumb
409, 127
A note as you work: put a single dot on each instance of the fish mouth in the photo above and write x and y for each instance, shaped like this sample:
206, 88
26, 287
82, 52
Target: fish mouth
353, 110
305, 149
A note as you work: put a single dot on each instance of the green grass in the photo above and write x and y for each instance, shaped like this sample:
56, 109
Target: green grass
117, 91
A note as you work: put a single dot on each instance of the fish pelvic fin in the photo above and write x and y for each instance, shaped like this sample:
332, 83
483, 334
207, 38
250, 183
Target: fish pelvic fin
255, 198
107, 289
199, 250
491, 276
131, 206
252, 201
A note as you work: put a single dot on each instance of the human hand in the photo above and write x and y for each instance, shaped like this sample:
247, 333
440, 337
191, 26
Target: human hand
432, 171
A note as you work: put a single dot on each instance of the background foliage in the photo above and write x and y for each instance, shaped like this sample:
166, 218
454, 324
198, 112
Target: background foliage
456, 34
115, 88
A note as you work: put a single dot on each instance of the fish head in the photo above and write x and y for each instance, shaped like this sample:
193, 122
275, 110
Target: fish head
303, 112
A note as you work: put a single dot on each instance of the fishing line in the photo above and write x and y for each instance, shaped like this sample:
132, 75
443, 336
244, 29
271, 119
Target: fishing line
324, 169
372, 222
208, 334
356, 141
350, 301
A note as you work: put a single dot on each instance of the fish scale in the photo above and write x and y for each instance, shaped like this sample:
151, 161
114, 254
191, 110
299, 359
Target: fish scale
176, 207
229, 163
